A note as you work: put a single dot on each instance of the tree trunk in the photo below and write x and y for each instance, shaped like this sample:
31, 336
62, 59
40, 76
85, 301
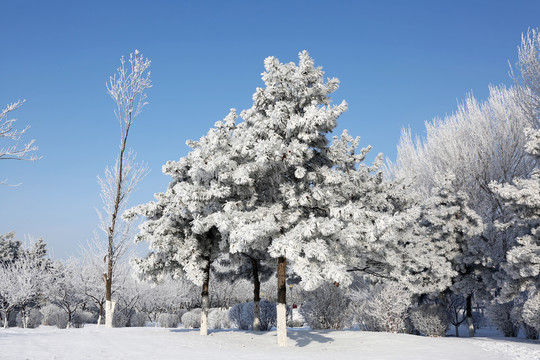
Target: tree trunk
100, 317
469, 315
24, 318
6, 317
68, 326
109, 313
205, 299
282, 302
457, 330
256, 295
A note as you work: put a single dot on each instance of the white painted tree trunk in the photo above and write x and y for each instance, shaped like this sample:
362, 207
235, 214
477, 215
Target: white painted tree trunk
281, 324
471, 326
99, 321
5, 321
256, 316
109, 313
204, 315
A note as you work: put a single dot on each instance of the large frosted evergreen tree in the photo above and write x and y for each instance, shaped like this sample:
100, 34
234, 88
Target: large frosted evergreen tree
315, 202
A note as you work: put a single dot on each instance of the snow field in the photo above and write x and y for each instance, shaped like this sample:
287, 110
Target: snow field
90, 342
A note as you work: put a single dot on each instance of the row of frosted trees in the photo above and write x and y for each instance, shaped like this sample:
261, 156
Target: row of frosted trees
268, 193
272, 191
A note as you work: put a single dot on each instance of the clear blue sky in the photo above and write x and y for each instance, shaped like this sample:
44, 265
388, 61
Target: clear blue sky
400, 63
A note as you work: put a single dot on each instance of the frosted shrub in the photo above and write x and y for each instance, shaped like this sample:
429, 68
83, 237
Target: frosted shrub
79, 318
53, 315
241, 315
180, 312
382, 307
138, 319
60, 320
120, 319
168, 320
235, 317
33, 319
326, 308
192, 319
49, 313
531, 312
500, 316
218, 319
431, 319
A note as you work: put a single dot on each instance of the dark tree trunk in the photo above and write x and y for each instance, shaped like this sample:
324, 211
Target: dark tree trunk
205, 298
469, 315
256, 295
282, 302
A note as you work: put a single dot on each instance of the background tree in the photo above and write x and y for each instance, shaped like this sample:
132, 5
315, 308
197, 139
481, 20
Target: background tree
127, 88
480, 143
25, 275
67, 290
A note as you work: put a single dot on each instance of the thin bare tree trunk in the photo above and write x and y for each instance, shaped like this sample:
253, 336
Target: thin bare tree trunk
256, 295
469, 315
205, 299
282, 302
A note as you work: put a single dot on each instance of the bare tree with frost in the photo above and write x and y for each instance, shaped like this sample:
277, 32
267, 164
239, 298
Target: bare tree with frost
128, 90
24, 280
9, 132
67, 291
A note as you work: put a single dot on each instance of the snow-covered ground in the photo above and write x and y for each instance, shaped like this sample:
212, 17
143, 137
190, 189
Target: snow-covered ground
158, 343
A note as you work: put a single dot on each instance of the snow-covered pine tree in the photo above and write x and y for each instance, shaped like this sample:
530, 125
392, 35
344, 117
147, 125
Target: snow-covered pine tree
452, 227
183, 227
523, 196
315, 203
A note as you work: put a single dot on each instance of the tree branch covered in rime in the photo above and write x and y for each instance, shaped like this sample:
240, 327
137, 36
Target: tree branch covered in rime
528, 79
127, 88
132, 174
8, 132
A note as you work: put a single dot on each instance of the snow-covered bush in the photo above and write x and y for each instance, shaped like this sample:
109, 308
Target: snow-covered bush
326, 308
218, 319
431, 319
241, 315
235, 317
138, 319
33, 319
382, 307
48, 312
531, 312
120, 319
80, 318
168, 320
180, 312
192, 319
500, 316
53, 315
